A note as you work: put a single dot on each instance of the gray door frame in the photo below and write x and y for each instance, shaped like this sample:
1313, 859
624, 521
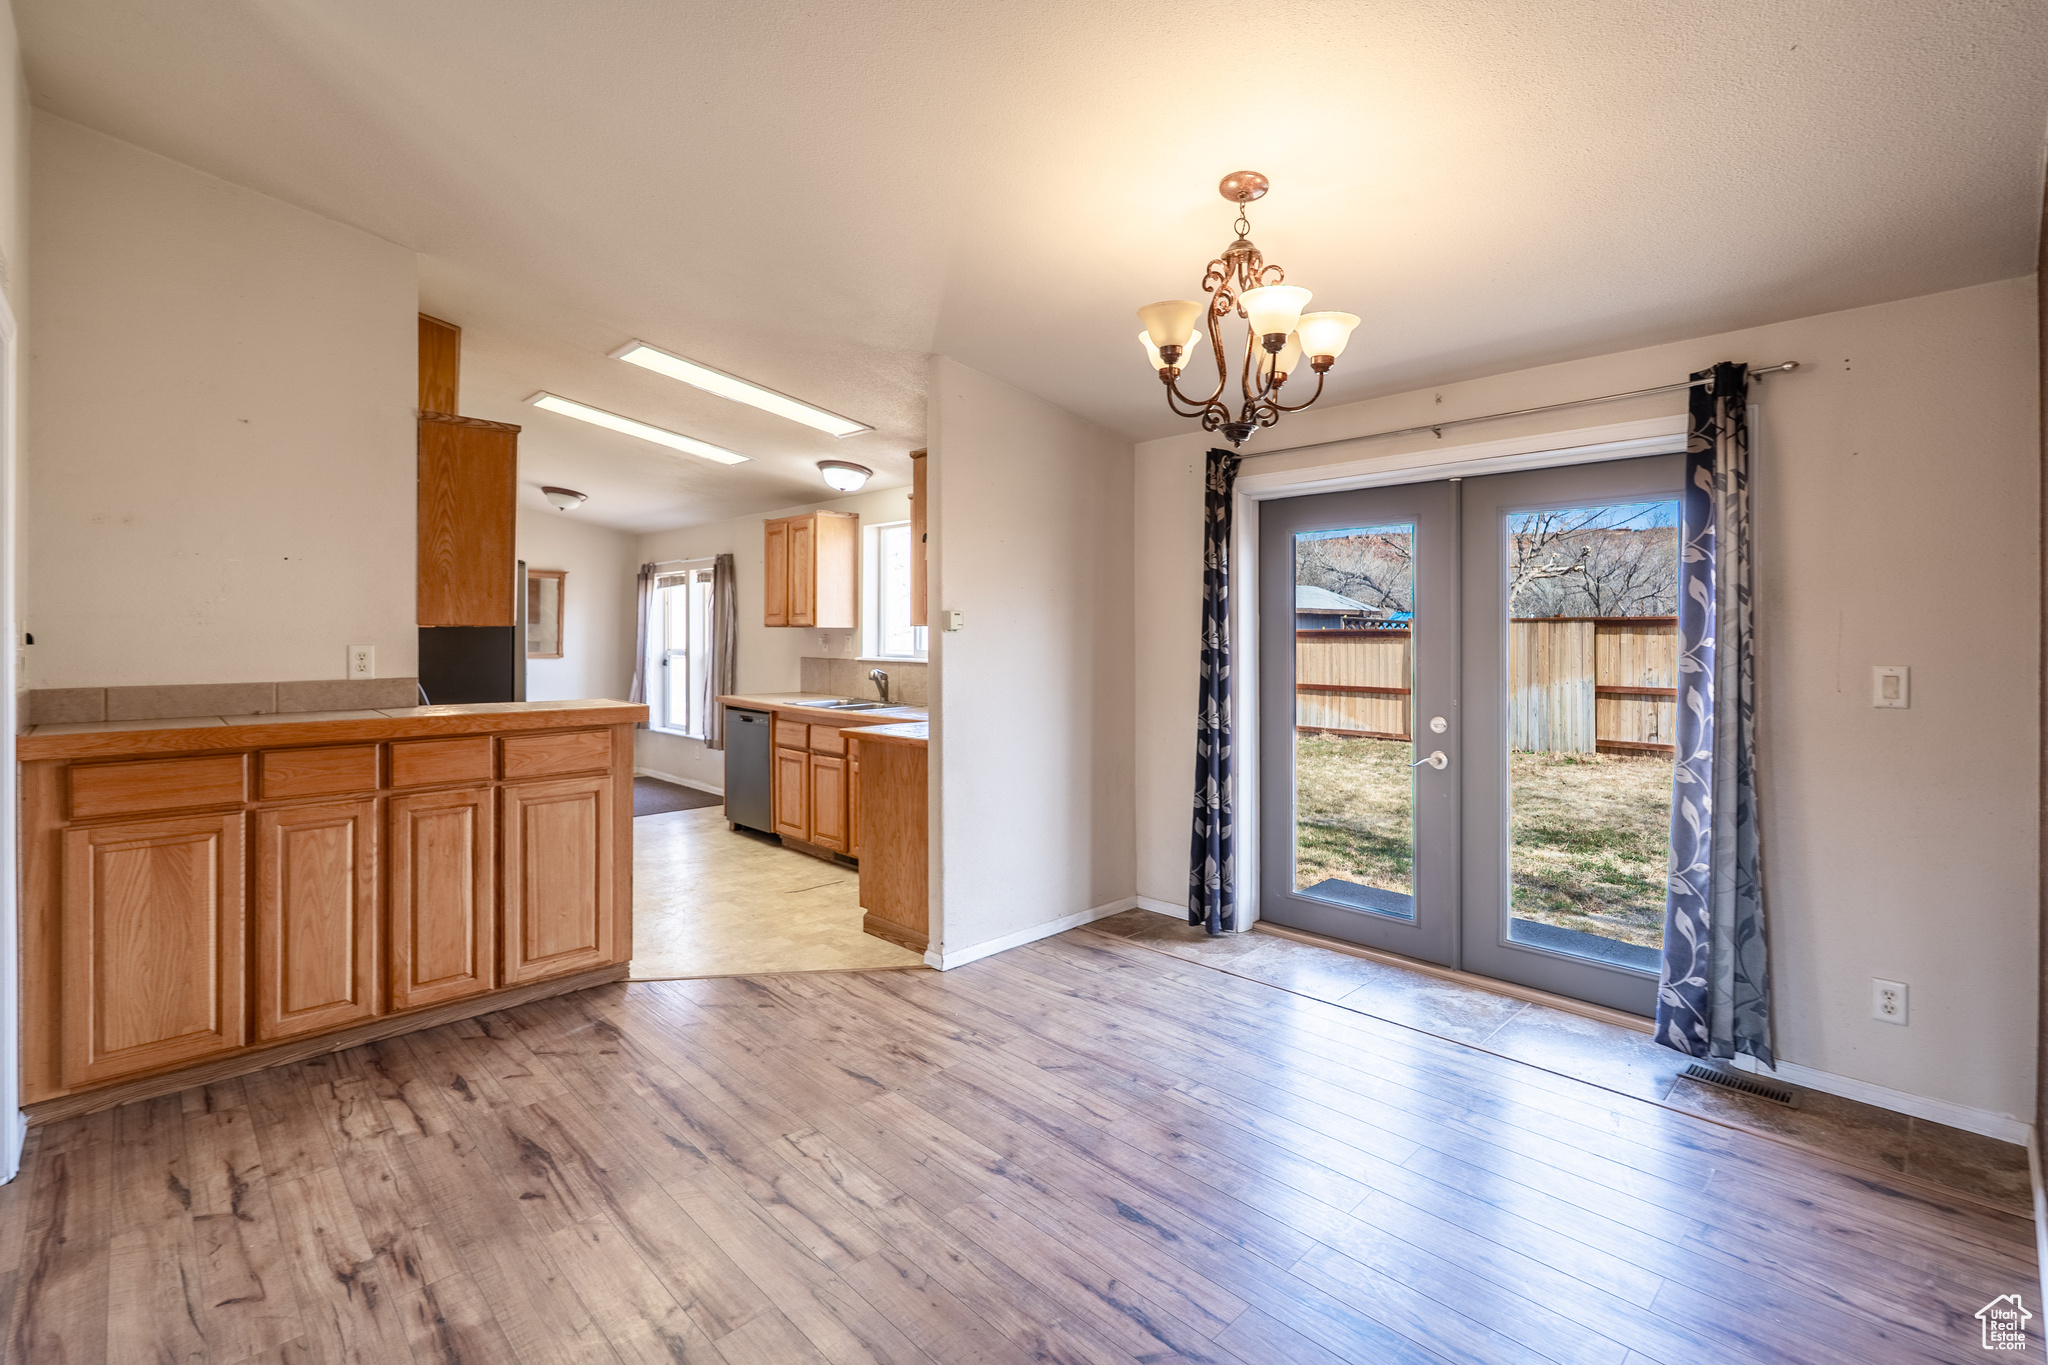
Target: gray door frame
1487, 949
1432, 508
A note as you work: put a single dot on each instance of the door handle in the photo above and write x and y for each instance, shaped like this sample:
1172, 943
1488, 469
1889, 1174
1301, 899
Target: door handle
1435, 760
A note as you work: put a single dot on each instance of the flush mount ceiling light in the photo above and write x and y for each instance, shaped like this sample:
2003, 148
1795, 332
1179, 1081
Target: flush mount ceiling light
564, 499
1277, 336
661, 436
737, 389
844, 475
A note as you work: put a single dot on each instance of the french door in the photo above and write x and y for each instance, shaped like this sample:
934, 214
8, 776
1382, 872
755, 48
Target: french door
1468, 708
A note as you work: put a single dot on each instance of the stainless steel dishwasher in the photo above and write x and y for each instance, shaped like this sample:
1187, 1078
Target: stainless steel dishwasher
749, 746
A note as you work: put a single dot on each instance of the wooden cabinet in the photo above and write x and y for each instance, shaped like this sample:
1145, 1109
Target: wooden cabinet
828, 802
853, 803
444, 902
793, 793
918, 589
895, 869
152, 945
315, 918
558, 904
201, 902
812, 571
468, 485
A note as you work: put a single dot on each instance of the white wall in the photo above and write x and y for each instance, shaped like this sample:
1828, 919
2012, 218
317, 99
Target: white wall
221, 454
14, 172
599, 631
1896, 496
1032, 792
770, 657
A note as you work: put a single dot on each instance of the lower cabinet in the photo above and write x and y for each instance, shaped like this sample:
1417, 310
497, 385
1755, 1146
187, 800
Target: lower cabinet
315, 918
558, 901
793, 793
444, 903
828, 802
152, 948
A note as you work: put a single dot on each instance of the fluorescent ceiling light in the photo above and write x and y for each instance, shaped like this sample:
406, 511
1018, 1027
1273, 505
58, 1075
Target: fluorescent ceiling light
661, 436
739, 390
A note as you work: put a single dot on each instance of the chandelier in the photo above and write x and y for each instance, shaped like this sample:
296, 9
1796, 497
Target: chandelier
1278, 334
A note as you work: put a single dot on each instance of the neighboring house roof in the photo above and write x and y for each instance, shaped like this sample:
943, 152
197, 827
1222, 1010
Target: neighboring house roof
1322, 599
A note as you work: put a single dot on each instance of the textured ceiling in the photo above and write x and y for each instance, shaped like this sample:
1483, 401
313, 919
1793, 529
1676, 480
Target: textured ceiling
816, 196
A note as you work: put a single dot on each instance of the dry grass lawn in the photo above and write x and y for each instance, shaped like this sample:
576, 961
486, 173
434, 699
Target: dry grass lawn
1589, 833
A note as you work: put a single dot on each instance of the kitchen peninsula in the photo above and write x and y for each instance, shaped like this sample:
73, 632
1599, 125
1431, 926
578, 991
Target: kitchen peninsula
207, 896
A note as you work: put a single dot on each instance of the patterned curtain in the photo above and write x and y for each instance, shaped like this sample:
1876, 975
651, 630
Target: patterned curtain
1714, 998
1212, 898
725, 648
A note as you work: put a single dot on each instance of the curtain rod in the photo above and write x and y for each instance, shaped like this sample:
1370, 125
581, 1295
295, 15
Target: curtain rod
1438, 427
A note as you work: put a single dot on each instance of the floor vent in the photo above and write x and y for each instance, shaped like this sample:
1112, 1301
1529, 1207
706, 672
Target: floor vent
1748, 1085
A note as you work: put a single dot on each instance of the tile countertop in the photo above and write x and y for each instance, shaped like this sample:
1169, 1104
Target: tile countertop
803, 706
190, 733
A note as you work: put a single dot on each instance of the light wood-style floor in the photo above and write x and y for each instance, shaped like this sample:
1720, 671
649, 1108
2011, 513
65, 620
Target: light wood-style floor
712, 901
1078, 1151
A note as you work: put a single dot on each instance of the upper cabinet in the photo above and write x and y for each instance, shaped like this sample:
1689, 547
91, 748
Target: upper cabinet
918, 589
813, 571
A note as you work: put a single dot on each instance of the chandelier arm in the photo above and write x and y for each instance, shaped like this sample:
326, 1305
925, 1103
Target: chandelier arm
1173, 388
1304, 402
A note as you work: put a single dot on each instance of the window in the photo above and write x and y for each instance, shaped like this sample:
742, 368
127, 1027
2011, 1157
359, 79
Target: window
679, 638
885, 620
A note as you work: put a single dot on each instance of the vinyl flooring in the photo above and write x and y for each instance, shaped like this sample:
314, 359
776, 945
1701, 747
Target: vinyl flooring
1079, 1151
712, 901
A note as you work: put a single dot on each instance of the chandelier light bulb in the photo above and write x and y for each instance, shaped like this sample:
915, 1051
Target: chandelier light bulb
1274, 309
1187, 349
1324, 335
1289, 358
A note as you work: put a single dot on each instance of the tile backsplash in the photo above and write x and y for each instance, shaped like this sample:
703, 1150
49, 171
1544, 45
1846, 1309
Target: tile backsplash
849, 678
61, 705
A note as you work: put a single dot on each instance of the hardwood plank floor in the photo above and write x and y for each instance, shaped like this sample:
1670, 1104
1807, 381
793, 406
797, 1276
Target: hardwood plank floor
1080, 1151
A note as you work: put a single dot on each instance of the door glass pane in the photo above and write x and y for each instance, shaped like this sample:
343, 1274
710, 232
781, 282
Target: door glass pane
1354, 793
1592, 709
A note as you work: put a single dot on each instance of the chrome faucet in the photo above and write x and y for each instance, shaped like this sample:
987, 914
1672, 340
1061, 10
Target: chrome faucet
881, 680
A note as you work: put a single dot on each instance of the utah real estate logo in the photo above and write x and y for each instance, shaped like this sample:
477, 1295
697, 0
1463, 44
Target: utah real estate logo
2005, 1323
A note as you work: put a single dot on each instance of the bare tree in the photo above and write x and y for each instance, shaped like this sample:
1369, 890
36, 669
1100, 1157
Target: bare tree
1593, 561
1375, 567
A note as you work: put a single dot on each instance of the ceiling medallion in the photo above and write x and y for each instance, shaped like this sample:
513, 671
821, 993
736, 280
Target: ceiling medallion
1279, 334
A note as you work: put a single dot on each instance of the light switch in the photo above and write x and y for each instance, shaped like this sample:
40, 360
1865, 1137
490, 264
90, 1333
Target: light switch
1890, 686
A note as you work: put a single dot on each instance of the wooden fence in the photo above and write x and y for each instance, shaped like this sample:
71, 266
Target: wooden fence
1575, 684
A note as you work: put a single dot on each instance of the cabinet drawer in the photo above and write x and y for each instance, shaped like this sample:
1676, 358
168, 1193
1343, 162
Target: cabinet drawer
346, 770
791, 734
153, 784
432, 762
827, 739
574, 751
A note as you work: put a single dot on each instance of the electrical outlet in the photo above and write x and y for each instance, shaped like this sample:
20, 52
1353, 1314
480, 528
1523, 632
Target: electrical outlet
362, 661
1888, 1001
1890, 686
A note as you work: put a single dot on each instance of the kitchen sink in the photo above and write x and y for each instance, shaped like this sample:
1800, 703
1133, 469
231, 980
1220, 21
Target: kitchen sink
849, 705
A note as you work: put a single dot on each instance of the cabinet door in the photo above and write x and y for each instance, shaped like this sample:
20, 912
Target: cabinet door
793, 793
153, 945
828, 802
803, 571
444, 904
316, 918
775, 594
558, 877
853, 805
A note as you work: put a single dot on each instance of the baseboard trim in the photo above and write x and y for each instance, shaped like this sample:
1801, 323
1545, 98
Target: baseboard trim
679, 781
1179, 912
16, 1139
946, 961
298, 1049
1983, 1122
2040, 1207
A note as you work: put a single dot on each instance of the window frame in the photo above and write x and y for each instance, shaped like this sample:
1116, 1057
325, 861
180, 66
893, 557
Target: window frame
663, 650
873, 586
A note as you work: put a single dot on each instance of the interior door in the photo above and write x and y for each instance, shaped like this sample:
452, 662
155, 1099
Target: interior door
1521, 630
1359, 604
